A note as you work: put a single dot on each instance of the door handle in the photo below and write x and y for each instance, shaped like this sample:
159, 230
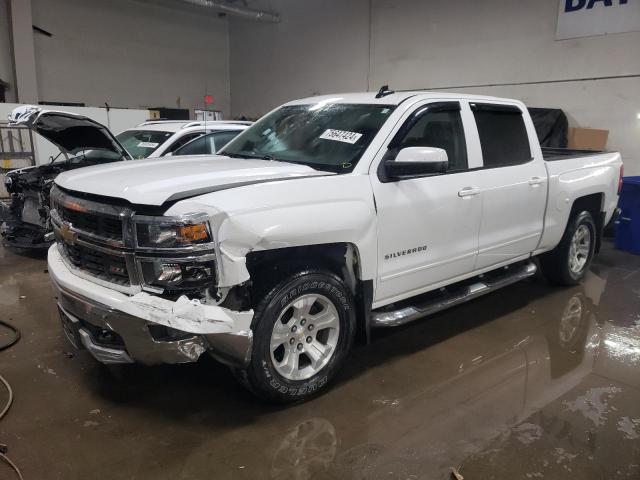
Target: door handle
469, 192
536, 180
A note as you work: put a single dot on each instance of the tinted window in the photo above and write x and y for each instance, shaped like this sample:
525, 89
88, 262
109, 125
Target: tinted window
183, 141
199, 146
503, 136
222, 138
440, 129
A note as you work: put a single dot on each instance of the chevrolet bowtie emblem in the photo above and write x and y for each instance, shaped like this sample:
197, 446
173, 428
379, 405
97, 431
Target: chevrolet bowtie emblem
68, 235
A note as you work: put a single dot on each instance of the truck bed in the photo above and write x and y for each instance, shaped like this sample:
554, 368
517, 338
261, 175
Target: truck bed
551, 154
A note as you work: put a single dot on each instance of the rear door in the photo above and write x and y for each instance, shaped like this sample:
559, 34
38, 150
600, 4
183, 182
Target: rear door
427, 227
512, 183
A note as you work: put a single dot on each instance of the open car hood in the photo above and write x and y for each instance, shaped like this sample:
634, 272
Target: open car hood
70, 132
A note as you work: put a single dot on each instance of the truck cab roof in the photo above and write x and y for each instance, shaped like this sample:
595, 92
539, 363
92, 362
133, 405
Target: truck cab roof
395, 98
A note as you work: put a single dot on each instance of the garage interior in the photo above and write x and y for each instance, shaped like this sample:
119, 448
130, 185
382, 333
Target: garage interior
532, 381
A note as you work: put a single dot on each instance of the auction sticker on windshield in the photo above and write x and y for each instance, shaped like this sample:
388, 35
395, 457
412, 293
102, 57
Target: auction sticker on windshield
341, 136
148, 144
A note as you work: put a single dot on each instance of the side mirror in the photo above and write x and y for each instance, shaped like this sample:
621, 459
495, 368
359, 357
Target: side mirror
415, 162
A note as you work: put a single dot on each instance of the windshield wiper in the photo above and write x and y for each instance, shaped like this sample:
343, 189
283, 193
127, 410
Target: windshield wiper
256, 157
315, 166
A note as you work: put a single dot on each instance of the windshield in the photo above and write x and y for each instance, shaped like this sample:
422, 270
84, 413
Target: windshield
142, 143
324, 136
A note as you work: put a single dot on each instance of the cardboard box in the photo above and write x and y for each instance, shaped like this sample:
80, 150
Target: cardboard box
588, 139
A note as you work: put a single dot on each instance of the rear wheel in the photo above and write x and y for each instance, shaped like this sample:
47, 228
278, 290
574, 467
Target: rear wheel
568, 263
303, 329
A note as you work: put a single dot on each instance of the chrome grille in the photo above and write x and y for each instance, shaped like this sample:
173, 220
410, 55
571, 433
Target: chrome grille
107, 227
92, 220
106, 266
98, 240
93, 238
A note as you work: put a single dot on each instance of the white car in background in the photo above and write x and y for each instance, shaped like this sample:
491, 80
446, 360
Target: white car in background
161, 138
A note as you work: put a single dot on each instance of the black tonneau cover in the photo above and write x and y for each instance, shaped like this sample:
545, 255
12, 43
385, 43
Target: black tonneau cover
551, 154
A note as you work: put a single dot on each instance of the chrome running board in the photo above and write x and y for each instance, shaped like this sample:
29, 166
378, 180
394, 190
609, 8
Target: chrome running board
485, 284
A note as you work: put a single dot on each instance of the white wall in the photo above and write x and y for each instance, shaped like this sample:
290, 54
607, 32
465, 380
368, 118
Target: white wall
322, 46
6, 65
130, 54
419, 44
318, 47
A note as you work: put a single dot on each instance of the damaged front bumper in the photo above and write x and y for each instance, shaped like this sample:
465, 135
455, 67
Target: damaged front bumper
118, 328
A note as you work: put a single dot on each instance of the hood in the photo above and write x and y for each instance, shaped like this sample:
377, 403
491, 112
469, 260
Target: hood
156, 181
69, 132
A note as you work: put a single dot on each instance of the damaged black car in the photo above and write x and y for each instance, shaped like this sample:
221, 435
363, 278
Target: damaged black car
24, 222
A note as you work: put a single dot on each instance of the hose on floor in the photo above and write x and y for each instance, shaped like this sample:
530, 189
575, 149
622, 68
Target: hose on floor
5, 409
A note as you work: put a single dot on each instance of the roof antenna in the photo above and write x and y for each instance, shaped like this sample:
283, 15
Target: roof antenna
384, 91
107, 107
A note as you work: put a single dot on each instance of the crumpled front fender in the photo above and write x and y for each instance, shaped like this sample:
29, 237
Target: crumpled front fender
295, 213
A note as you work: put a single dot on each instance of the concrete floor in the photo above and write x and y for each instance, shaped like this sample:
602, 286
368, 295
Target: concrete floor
530, 382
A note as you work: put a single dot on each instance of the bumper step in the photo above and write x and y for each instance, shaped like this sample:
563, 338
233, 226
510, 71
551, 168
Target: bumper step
483, 285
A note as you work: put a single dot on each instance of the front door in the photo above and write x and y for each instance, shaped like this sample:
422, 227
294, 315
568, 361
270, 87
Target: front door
427, 227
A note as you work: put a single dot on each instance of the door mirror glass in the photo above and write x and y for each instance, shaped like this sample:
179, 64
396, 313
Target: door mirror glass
415, 162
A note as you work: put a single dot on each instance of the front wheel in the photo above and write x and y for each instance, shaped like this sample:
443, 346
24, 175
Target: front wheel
303, 329
568, 263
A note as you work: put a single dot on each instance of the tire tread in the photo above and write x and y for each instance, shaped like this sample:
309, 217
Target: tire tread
246, 376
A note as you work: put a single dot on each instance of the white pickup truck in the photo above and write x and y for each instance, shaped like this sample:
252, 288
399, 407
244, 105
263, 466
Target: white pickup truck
328, 217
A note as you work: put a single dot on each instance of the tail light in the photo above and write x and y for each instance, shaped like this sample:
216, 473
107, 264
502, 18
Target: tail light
620, 179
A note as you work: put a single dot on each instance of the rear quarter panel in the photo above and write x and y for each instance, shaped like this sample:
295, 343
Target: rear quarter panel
574, 178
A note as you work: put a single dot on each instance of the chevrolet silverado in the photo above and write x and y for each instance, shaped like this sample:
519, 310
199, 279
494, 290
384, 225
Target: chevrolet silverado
327, 218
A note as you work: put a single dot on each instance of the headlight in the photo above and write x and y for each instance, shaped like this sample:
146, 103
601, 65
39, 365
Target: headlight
178, 274
162, 243
172, 232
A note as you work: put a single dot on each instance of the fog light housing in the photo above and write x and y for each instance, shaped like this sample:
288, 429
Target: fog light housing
161, 333
169, 273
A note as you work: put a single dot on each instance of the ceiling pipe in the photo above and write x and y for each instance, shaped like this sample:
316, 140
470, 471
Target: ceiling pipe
248, 13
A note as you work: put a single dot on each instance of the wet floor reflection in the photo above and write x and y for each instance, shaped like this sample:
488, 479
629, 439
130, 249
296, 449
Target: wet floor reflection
529, 382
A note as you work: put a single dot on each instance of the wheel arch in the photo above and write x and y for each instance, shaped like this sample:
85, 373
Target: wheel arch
341, 258
594, 204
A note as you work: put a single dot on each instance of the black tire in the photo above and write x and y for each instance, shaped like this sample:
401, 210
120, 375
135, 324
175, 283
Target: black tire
556, 263
261, 376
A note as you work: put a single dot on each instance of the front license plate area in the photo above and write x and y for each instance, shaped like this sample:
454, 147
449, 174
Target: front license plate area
70, 328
